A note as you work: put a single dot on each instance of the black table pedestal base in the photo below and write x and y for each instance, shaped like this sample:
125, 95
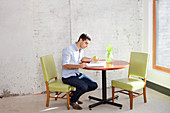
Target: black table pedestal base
103, 102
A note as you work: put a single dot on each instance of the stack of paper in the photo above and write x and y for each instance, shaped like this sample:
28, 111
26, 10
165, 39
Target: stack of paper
99, 63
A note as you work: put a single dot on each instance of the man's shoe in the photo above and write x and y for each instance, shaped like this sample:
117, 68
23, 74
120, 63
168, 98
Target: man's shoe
75, 106
79, 102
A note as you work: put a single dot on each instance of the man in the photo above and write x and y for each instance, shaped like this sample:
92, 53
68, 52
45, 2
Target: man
73, 59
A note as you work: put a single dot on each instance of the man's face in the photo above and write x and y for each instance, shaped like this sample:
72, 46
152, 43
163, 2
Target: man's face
84, 43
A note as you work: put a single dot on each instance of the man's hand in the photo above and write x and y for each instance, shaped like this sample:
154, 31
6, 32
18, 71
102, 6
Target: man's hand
94, 60
83, 65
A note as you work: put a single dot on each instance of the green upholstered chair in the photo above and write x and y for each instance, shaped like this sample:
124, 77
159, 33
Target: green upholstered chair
49, 72
136, 78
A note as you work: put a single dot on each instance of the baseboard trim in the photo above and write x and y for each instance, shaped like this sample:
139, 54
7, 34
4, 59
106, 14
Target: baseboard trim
158, 88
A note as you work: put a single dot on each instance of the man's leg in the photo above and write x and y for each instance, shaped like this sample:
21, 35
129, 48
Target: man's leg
92, 85
81, 87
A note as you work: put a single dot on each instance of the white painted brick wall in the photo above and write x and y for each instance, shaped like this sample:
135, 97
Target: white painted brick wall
34, 28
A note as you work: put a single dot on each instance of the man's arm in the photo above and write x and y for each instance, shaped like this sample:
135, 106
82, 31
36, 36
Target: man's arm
71, 66
85, 59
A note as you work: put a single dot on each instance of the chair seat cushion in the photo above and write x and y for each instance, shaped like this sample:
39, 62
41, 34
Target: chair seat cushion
129, 84
58, 85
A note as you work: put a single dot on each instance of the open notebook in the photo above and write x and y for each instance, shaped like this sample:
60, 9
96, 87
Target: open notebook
99, 63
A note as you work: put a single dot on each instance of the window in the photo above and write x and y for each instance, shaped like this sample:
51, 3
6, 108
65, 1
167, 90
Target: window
161, 35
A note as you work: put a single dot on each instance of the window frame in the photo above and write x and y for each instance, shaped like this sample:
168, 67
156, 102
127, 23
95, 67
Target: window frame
160, 68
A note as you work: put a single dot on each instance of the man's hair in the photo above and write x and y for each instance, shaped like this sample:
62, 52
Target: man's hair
84, 37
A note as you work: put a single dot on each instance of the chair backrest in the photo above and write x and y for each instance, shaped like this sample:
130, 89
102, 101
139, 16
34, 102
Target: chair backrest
138, 64
48, 67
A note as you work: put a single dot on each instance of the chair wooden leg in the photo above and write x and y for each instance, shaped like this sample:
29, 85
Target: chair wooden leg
56, 94
129, 94
113, 93
68, 101
131, 99
48, 96
144, 94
